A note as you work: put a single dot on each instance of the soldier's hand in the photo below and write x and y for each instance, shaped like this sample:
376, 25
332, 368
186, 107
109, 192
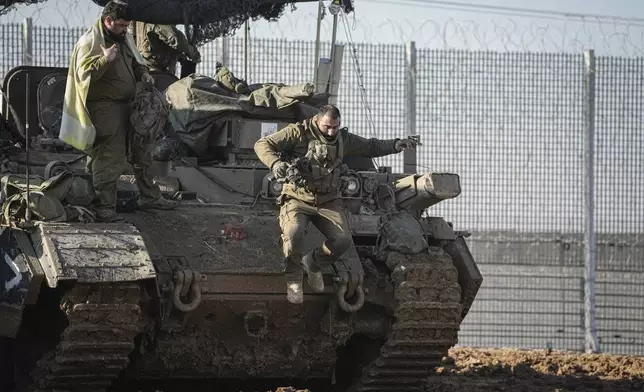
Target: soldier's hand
280, 168
147, 78
110, 52
406, 144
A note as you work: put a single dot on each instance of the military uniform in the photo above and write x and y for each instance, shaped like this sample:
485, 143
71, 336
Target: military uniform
113, 86
319, 201
163, 45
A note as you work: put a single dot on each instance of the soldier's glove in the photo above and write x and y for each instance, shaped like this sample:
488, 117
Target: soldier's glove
147, 78
407, 144
280, 168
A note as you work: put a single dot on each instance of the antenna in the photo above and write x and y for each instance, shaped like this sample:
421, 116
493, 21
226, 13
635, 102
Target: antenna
27, 209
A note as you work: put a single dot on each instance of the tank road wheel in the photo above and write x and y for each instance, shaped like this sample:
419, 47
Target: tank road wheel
427, 320
54, 168
94, 348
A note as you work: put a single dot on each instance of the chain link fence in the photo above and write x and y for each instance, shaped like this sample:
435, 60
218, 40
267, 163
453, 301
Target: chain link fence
515, 127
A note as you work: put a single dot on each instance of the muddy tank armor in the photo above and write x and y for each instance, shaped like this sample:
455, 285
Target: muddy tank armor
199, 292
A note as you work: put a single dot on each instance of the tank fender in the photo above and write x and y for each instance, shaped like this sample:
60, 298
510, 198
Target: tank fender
469, 275
437, 228
97, 252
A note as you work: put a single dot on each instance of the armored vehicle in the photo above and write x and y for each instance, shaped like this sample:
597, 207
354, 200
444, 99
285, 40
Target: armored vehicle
199, 292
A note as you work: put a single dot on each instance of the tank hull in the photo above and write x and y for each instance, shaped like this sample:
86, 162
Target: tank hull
242, 326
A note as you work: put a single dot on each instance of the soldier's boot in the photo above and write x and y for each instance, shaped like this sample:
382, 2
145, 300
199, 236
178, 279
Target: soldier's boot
293, 276
294, 292
108, 214
159, 203
313, 272
105, 210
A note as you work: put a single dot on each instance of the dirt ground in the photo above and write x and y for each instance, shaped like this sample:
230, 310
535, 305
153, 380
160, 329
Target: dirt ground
482, 370
470, 370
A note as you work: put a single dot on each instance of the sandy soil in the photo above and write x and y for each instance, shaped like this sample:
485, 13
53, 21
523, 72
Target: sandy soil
468, 369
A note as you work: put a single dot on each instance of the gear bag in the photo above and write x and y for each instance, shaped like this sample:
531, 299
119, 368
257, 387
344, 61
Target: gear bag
46, 198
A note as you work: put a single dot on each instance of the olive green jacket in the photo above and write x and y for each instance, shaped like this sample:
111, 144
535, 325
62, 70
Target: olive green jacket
293, 142
116, 80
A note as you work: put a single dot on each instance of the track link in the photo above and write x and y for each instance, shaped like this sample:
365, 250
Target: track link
428, 317
104, 319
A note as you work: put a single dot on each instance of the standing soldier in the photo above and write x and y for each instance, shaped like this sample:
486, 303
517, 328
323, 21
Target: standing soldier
104, 69
163, 45
322, 141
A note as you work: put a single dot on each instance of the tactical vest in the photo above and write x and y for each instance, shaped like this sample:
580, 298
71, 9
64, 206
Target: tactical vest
324, 159
322, 182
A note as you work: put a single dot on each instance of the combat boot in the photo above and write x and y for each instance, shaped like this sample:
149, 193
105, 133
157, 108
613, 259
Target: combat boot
315, 278
160, 203
294, 292
108, 214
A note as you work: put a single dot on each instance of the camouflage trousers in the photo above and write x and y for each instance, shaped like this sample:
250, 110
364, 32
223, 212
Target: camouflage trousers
113, 148
329, 219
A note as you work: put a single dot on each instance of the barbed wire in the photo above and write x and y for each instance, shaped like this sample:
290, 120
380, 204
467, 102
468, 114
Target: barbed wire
70, 13
490, 30
520, 34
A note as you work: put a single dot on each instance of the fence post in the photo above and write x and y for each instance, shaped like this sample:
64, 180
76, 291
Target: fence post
410, 157
27, 41
590, 262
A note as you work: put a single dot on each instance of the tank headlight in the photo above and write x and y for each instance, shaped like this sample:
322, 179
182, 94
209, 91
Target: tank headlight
370, 185
276, 187
353, 186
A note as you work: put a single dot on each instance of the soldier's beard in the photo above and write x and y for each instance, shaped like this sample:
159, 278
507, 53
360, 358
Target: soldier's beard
329, 137
117, 37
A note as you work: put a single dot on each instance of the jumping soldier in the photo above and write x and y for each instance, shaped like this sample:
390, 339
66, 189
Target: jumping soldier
321, 140
105, 67
163, 45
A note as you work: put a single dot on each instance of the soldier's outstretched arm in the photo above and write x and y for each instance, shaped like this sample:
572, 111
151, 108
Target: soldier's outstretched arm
268, 147
372, 148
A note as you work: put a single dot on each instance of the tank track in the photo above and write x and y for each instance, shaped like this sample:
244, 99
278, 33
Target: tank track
95, 347
428, 317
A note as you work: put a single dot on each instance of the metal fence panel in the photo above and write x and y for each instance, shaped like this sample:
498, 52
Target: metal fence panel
52, 46
10, 47
619, 184
511, 124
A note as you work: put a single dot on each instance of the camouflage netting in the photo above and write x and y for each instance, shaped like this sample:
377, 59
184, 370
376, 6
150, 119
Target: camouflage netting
7, 5
205, 20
